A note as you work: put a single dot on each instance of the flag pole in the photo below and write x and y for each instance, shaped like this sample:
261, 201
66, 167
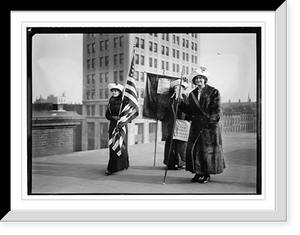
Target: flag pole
175, 118
156, 130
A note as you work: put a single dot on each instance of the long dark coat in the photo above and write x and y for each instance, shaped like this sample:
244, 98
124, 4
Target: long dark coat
178, 148
204, 154
116, 163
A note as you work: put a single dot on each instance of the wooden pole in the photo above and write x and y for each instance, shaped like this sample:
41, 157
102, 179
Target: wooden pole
155, 147
175, 117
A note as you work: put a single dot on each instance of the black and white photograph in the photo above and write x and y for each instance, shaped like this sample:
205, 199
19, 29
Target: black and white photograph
144, 111
150, 117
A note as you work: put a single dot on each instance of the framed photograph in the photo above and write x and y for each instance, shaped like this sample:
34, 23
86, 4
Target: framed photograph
64, 74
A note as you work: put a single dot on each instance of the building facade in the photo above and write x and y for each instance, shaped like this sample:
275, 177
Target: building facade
106, 59
239, 116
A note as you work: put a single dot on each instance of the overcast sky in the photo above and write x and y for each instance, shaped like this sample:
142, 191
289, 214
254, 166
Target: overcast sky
229, 58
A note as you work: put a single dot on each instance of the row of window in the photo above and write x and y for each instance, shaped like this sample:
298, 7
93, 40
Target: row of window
139, 60
104, 94
140, 43
91, 110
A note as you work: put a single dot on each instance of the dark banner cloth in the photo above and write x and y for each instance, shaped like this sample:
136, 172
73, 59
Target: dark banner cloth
155, 105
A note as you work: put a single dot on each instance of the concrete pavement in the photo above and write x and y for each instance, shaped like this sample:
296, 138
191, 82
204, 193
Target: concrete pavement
83, 172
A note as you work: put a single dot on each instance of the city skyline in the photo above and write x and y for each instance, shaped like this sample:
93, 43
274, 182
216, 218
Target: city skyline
229, 58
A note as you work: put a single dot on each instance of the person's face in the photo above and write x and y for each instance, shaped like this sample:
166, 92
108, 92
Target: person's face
115, 92
200, 81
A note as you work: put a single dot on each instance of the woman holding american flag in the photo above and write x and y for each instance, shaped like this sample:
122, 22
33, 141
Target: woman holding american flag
122, 109
116, 162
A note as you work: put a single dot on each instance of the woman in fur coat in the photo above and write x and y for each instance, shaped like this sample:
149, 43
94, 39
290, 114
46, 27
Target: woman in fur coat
115, 163
204, 149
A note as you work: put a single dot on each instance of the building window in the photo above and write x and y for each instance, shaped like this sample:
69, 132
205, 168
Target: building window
155, 63
137, 42
150, 46
121, 58
163, 50
167, 51
106, 93
142, 43
101, 62
93, 110
142, 77
101, 93
155, 47
142, 60
106, 60
106, 44
88, 95
88, 48
162, 65
106, 77
115, 59
93, 48
101, 46
88, 79
150, 62
174, 53
93, 78
101, 112
121, 74
115, 42
88, 64
136, 59
101, 78
152, 128
167, 65
121, 41
93, 63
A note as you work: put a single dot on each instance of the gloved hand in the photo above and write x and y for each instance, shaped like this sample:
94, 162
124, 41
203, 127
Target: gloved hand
116, 118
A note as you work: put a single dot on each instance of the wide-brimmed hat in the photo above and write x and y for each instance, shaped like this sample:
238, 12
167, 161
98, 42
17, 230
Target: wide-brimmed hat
197, 72
117, 86
177, 82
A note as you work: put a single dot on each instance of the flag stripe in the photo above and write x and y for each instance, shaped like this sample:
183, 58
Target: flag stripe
129, 111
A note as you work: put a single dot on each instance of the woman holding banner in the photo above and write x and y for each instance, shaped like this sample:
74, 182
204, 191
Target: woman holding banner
176, 159
115, 163
204, 148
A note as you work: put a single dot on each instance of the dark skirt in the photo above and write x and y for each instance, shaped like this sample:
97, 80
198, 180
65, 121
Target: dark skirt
118, 163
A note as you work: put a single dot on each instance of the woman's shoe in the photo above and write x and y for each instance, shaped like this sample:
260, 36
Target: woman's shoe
197, 177
205, 179
107, 172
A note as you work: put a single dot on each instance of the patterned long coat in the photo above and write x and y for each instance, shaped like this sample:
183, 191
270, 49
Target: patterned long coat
204, 153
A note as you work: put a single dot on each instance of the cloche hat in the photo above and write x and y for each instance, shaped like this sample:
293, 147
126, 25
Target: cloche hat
197, 72
115, 86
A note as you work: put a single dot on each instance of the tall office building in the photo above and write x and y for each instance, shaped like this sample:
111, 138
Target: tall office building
106, 59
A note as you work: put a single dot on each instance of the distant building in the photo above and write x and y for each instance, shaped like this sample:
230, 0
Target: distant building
239, 116
52, 99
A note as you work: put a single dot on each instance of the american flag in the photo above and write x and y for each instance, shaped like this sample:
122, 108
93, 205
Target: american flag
129, 111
